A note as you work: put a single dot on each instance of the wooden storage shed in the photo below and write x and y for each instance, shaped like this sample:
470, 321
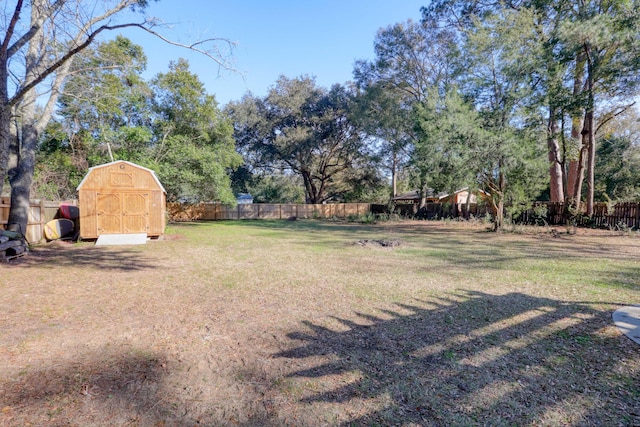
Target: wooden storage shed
121, 198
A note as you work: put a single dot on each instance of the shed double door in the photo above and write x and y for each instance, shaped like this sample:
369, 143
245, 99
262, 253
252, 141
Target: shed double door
122, 213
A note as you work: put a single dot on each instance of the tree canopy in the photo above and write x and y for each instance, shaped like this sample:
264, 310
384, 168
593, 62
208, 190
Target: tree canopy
524, 100
169, 124
517, 77
193, 148
306, 130
580, 63
40, 41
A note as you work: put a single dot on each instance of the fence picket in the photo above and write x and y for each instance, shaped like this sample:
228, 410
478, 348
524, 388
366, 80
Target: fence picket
621, 214
40, 212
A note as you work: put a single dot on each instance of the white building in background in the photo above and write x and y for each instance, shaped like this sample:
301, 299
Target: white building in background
244, 199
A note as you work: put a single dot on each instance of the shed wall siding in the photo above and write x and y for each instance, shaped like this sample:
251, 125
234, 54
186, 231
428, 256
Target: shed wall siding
112, 177
121, 198
88, 217
157, 223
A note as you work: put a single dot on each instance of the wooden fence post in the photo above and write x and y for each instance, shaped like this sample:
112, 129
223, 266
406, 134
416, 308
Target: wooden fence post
42, 220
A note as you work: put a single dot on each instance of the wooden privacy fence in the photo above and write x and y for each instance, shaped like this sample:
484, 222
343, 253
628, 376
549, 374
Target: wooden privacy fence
605, 215
217, 211
620, 215
40, 212
433, 210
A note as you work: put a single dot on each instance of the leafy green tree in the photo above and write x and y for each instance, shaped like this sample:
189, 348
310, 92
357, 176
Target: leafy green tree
305, 130
59, 166
618, 167
583, 63
618, 159
193, 149
39, 42
277, 189
607, 34
105, 89
448, 133
388, 126
103, 111
173, 126
508, 152
412, 59
106, 102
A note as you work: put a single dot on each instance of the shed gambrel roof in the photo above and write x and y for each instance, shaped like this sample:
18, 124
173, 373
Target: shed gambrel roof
153, 174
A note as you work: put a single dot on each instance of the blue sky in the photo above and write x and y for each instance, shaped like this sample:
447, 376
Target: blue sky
321, 38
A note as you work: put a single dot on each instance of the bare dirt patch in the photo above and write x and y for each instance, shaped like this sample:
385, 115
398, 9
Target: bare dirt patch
377, 243
291, 323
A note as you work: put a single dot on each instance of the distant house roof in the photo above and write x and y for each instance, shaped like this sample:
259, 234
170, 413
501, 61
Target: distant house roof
410, 195
413, 195
244, 198
460, 195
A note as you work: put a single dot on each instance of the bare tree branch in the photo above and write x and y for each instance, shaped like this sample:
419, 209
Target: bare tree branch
10, 29
213, 54
612, 115
57, 64
35, 27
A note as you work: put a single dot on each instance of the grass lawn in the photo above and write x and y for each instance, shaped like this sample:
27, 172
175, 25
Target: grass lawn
309, 323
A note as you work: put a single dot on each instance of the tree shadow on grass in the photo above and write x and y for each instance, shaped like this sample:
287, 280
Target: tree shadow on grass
104, 389
477, 359
64, 255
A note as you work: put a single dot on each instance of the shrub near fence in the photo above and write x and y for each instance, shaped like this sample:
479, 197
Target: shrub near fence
619, 215
623, 215
217, 211
433, 210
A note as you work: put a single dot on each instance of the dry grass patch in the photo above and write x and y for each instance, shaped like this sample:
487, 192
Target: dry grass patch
293, 323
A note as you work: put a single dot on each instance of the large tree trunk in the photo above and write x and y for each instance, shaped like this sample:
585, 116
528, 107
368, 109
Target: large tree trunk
555, 162
22, 164
499, 205
20, 179
497, 197
423, 196
394, 174
498, 222
589, 125
591, 164
23, 148
5, 137
575, 172
423, 186
310, 188
5, 117
582, 156
23, 145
